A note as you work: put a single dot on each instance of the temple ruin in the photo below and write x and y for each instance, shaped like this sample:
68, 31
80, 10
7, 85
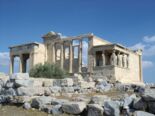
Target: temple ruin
104, 59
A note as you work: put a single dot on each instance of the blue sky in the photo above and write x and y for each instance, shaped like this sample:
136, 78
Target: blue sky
129, 22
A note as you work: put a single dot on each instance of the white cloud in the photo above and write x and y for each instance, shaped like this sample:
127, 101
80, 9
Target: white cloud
149, 39
138, 46
148, 48
146, 45
147, 64
4, 58
4, 55
149, 51
5, 61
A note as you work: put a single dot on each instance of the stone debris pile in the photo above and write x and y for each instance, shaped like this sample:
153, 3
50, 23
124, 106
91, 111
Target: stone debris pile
69, 95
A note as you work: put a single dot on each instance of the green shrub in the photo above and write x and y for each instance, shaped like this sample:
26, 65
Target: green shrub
47, 71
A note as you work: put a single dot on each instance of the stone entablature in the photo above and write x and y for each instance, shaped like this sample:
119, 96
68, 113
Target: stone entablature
105, 59
24, 48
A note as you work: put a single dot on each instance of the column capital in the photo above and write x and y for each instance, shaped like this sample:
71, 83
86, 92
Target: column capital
11, 56
113, 50
103, 52
71, 41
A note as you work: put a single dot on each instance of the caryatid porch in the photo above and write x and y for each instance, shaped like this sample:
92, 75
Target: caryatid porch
117, 62
110, 55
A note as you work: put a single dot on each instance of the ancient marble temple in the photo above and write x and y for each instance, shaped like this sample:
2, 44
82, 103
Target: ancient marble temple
104, 59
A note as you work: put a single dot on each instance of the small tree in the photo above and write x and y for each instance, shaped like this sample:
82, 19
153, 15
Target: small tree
47, 71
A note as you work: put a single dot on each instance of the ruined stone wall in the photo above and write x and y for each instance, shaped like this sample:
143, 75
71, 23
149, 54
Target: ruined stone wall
106, 72
38, 55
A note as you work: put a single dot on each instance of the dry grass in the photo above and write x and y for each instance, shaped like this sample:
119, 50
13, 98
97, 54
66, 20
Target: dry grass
112, 94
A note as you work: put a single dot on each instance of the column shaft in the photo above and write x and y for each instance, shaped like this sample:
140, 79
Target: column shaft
103, 58
80, 56
90, 56
62, 56
53, 53
11, 64
31, 61
141, 68
94, 57
21, 63
70, 58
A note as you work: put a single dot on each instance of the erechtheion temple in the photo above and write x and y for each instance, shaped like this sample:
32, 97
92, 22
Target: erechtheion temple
104, 59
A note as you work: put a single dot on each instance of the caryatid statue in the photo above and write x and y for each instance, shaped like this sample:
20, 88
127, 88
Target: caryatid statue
119, 60
124, 60
103, 58
113, 58
127, 61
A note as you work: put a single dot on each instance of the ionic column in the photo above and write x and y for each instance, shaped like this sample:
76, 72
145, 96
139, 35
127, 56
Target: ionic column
80, 56
53, 53
62, 56
70, 57
103, 58
21, 63
11, 64
31, 61
90, 56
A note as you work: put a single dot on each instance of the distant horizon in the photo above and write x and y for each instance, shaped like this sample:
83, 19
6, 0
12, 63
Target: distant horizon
130, 23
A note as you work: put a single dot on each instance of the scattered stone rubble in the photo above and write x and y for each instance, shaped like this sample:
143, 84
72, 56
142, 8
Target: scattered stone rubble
58, 96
